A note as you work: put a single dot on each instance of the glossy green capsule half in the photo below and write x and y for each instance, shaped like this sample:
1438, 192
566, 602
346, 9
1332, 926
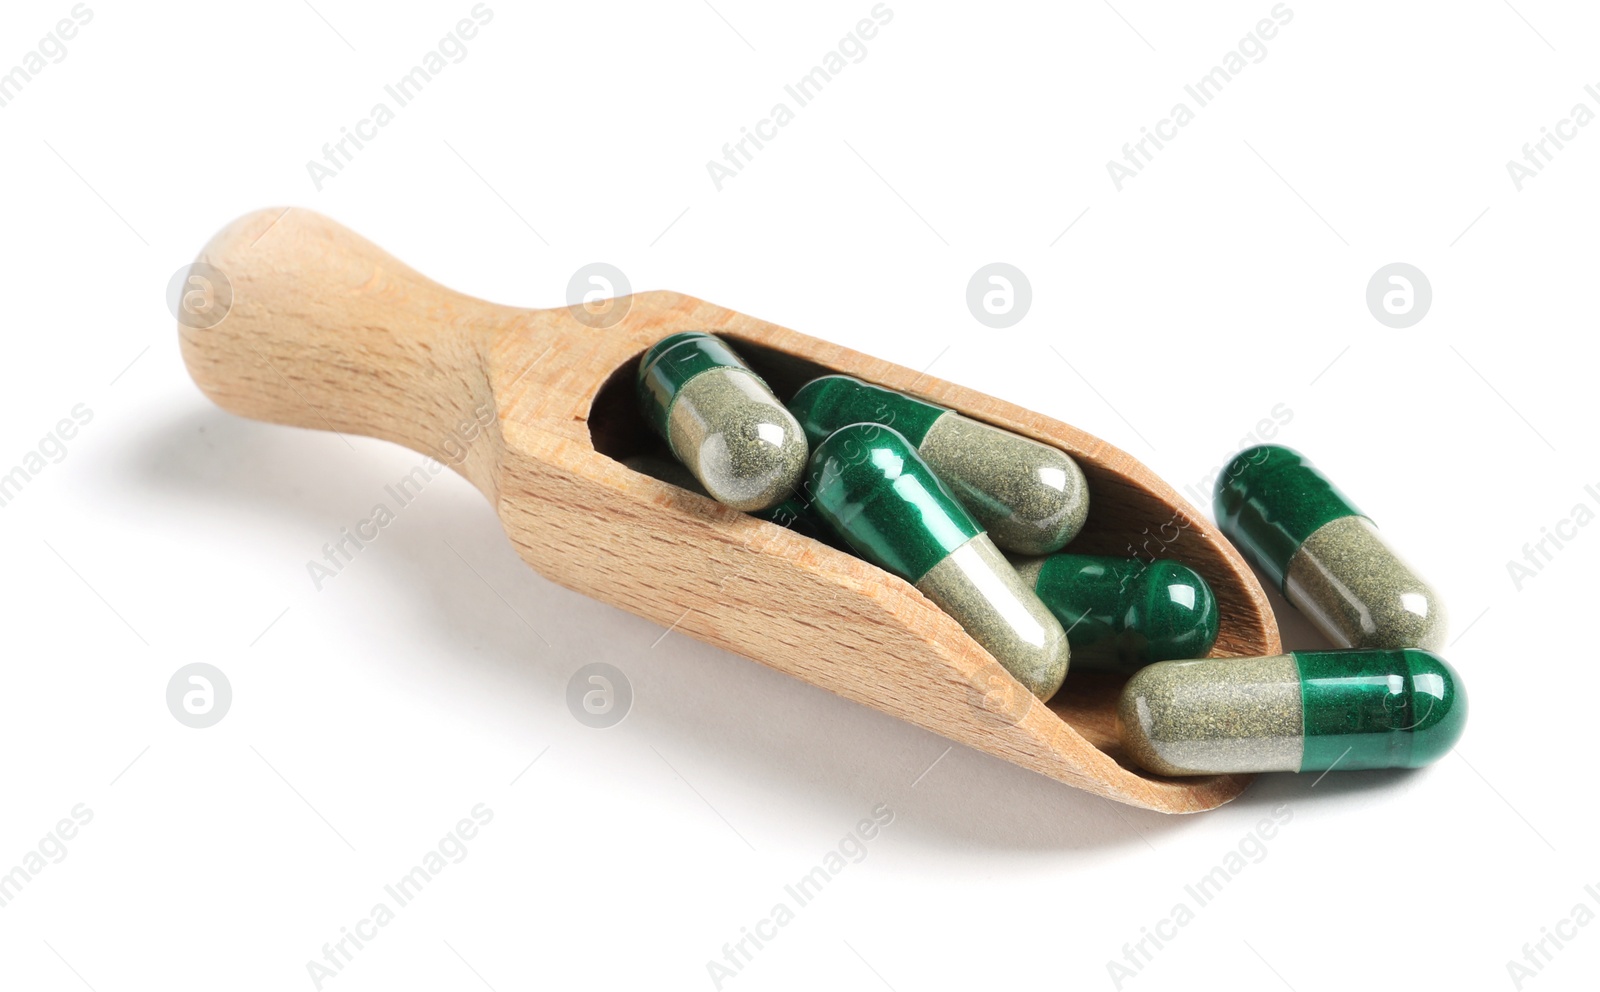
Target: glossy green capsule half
1325, 555
870, 485
1121, 614
720, 419
1301, 712
1031, 498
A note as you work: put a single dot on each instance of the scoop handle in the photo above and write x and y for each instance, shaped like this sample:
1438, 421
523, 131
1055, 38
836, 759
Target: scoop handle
289, 317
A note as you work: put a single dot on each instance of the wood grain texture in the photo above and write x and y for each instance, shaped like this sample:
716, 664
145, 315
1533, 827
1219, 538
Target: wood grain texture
328, 331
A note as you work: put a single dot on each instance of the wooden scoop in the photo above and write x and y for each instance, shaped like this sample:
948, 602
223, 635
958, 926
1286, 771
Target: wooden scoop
328, 331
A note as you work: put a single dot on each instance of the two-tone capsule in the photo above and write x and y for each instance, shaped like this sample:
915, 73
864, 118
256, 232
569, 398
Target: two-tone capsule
870, 485
720, 419
1300, 712
1325, 555
1030, 497
1121, 614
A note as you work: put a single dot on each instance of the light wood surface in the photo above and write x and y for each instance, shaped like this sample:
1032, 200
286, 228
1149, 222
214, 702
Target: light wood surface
328, 331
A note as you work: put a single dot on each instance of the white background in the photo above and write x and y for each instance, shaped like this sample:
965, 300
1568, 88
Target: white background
1227, 278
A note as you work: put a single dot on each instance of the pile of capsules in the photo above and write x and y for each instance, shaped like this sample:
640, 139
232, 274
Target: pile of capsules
975, 517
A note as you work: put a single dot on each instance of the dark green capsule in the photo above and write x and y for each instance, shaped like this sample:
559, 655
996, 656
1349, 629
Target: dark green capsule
1121, 614
720, 419
870, 485
1306, 711
1270, 499
1030, 497
1325, 555
828, 403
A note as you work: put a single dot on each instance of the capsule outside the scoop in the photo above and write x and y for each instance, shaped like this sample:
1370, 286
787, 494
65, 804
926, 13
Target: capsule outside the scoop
720, 419
870, 485
1306, 711
1325, 555
1030, 497
1121, 614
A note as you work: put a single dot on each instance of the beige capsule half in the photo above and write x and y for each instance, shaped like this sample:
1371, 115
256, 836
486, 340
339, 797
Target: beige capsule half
1360, 593
979, 588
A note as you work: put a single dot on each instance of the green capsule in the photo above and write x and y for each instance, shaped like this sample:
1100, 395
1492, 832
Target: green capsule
871, 486
1325, 555
1302, 712
1124, 613
721, 421
1031, 498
